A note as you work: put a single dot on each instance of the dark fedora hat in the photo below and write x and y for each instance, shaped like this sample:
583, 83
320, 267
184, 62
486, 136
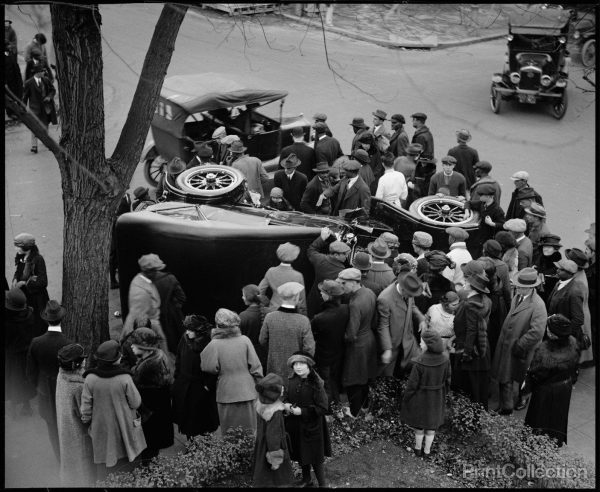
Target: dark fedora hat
578, 257
15, 300
362, 261
559, 325
410, 284
291, 161
479, 282
322, 167
358, 123
53, 311
379, 249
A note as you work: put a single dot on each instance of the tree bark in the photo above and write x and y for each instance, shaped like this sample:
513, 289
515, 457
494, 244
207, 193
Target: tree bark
90, 207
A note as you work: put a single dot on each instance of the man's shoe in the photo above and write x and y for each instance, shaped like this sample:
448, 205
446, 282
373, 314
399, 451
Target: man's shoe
34, 149
418, 452
426, 456
522, 404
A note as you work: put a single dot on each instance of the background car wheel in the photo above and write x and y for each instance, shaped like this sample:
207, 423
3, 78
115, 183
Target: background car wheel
212, 184
153, 168
495, 99
588, 53
443, 211
559, 108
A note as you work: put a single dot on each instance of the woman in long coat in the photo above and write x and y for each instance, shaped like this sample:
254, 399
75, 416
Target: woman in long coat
231, 356
306, 403
550, 380
153, 376
31, 278
194, 398
76, 452
109, 401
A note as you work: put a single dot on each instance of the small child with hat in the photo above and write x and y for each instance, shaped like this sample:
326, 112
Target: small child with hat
424, 399
277, 201
272, 465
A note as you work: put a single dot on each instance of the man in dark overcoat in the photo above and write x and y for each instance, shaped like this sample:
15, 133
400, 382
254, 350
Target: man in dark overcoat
359, 128
522, 190
327, 266
39, 92
42, 368
466, 157
351, 192
521, 333
291, 181
329, 327
302, 151
397, 313
315, 187
399, 140
422, 134
326, 148
360, 356
491, 218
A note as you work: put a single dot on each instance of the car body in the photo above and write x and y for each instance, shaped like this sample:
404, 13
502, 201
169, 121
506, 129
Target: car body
215, 241
192, 106
536, 61
583, 33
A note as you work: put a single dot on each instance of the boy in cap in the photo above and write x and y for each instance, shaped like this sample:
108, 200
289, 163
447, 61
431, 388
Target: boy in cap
448, 178
421, 243
302, 151
326, 148
491, 216
515, 210
517, 228
292, 182
360, 360
277, 201
287, 253
422, 134
459, 254
482, 176
466, 157
285, 330
535, 218
399, 139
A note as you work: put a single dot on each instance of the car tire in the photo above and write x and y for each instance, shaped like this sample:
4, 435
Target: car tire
495, 99
560, 108
588, 53
431, 210
154, 166
212, 184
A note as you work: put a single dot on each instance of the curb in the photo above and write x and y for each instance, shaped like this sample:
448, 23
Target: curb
391, 44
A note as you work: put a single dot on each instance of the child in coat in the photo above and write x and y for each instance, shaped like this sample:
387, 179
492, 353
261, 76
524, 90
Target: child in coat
306, 406
423, 402
272, 465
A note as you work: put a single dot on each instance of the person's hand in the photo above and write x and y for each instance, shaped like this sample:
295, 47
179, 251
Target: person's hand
422, 326
489, 221
320, 200
386, 357
410, 184
296, 410
325, 233
287, 407
461, 198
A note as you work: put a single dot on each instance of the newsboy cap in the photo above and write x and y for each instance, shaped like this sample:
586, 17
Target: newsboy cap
398, 117
382, 115
419, 116
537, 210
457, 233
484, 166
320, 117
449, 160
524, 175
289, 289
361, 156
338, 247
351, 165
422, 239
151, 262
322, 167
486, 189
24, 240
515, 225
287, 252
350, 274
578, 256
269, 388
219, 132
566, 265
331, 288
463, 135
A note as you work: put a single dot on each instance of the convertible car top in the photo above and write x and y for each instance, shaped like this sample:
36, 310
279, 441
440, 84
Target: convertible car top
540, 20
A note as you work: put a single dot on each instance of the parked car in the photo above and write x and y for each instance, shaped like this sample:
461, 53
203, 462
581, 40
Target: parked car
583, 30
215, 241
536, 61
192, 106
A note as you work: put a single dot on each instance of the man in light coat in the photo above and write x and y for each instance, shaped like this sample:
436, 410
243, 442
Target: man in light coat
459, 254
251, 167
521, 333
517, 228
397, 312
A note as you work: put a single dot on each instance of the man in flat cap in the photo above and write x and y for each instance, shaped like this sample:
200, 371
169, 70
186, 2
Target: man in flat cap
291, 181
360, 360
421, 243
491, 217
448, 178
315, 187
466, 157
535, 218
459, 254
482, 176
329, 328
327, 148
517, 228
380, 132
302, 151
422, 134
399, 139
515, 210
350, 193
320, 118
359, 128
328, 257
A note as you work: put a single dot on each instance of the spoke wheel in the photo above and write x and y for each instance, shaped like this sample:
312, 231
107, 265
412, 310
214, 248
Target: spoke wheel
560, 108
153, 169
495, 99
211, 183
442, 211
588, 53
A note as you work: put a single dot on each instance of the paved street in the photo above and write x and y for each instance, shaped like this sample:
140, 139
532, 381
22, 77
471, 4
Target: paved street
450, 85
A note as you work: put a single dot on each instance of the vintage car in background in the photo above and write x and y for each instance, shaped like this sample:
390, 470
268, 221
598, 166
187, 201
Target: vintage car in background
536, 61
583, 33
215, 241
191, 107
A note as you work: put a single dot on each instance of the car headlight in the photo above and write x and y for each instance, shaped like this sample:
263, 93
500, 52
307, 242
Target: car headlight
546, 80
515, 77
510, 37
561, 83
497, 78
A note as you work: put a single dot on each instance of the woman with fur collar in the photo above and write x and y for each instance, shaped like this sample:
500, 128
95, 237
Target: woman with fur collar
272, 465
231, 356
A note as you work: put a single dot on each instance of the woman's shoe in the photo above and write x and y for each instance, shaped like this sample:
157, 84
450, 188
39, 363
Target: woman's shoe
418, 452
34, 149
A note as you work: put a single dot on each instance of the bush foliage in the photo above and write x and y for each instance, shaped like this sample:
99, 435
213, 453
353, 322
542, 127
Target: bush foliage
471, 437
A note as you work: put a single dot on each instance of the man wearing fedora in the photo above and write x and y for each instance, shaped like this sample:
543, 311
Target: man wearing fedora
302, 151
291, 181
380, 273
315, 187
251, 167
329, 327
174, 168
39, 92
422, 134
359, 128
365, 171
520, 335
379, 130
466, 157
535, 218
327, 148
397, 316
517, 228
362, 261
522, 190
42, 367
350, 193
399, 139
204, 155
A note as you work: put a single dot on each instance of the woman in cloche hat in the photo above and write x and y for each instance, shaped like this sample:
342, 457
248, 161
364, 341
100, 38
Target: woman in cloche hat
550, 380
548, 254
